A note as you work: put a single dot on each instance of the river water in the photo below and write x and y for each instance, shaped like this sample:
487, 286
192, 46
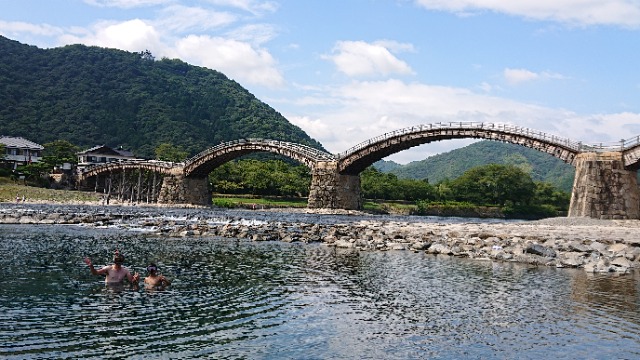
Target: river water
234, 299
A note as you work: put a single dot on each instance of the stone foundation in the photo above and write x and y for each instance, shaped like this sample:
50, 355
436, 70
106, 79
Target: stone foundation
176, 189
603, 188
331, 190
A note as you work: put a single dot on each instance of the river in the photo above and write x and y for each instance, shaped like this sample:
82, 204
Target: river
237, 299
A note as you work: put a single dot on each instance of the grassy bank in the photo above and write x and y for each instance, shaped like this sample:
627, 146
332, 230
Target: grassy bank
9, 190
254, 202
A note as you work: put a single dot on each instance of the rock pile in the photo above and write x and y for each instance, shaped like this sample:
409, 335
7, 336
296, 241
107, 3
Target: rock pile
594, 245
596, 248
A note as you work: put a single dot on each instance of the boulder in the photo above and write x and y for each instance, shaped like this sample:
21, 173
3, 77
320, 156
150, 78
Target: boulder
572, 259
439, 249
540, 250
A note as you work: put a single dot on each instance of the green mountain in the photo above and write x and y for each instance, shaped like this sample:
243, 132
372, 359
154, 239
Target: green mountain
452, 164
91, 96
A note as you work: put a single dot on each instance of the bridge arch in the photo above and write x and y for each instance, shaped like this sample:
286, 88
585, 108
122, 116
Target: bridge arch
132, 181
355, 160
206, 161
160, 167
631, 153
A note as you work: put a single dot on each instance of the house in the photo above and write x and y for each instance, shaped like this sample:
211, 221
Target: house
103, 154
19, 151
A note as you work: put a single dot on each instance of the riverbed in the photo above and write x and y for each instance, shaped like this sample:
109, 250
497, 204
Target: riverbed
240, 297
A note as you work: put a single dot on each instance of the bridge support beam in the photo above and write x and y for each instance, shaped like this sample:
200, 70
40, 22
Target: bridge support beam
603, 188
331, 190
177, 189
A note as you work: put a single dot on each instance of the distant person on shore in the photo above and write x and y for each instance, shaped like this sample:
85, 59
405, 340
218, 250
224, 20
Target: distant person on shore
154, 279
116, 273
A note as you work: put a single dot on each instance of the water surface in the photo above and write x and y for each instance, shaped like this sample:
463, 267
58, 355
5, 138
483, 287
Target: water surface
235, 299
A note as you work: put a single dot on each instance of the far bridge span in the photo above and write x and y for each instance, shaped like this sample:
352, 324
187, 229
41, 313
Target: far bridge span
605, 184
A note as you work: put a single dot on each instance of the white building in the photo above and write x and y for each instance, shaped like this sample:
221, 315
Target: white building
19, 151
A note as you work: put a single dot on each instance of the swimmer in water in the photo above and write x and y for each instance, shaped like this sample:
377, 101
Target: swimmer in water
154, 279
116, 273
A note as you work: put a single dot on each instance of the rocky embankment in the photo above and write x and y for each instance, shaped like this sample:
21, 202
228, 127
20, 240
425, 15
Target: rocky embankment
594, 245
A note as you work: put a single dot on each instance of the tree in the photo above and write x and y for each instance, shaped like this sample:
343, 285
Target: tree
546, 193
169, 152
59, 152
494, 184
2, 152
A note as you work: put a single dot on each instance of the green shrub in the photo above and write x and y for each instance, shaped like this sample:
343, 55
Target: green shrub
529, 212
224, 203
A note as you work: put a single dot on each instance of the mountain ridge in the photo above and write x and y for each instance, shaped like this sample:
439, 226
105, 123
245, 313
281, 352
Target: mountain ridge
452, 164
89, 95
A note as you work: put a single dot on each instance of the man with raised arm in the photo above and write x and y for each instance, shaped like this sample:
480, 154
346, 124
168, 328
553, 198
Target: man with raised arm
116, 273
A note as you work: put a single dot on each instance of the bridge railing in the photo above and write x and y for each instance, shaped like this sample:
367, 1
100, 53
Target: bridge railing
302, 149
505, 128
155, 163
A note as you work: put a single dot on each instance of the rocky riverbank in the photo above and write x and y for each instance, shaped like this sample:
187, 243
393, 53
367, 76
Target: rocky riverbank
594, 245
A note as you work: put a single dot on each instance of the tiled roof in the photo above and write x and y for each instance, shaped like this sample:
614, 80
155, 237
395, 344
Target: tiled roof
20, 143
97, 147
105, 150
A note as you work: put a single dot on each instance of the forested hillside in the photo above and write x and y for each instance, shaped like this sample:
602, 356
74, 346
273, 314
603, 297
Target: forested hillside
91, 96
452, 164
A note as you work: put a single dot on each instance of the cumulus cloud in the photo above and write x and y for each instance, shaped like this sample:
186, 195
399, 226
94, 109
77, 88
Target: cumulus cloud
625, 13
361, 59
315, 128
243, 61
361, 110
133, 35
236, 59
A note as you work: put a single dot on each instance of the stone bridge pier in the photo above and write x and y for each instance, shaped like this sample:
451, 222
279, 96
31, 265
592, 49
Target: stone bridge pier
178, 189
603, 188
332, 190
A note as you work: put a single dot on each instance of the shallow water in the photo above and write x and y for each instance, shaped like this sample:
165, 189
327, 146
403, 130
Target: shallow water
235, 299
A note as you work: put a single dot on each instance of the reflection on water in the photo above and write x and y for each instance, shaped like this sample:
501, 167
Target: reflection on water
233, 299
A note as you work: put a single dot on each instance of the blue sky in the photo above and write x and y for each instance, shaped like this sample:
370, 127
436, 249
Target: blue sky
346, 71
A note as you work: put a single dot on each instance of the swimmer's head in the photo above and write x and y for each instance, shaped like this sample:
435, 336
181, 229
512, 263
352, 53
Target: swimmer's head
152, 268
118, 258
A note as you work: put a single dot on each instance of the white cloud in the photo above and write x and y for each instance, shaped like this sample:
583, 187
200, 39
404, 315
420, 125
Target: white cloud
182, 18
255, 33
133, 35
14, 28
625, 13
252, 6
236, 59
362, 110
125, 4
315, 128
517, 76
361, 59
239, 60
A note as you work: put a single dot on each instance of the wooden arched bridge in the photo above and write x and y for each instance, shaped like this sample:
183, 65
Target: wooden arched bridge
605, 184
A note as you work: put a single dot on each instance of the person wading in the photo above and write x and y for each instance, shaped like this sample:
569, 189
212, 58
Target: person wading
116, 273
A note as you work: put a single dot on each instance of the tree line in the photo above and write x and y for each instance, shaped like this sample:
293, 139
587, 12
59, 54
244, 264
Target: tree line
505, 186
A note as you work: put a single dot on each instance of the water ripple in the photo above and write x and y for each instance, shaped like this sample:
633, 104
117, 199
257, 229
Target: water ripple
233, 299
